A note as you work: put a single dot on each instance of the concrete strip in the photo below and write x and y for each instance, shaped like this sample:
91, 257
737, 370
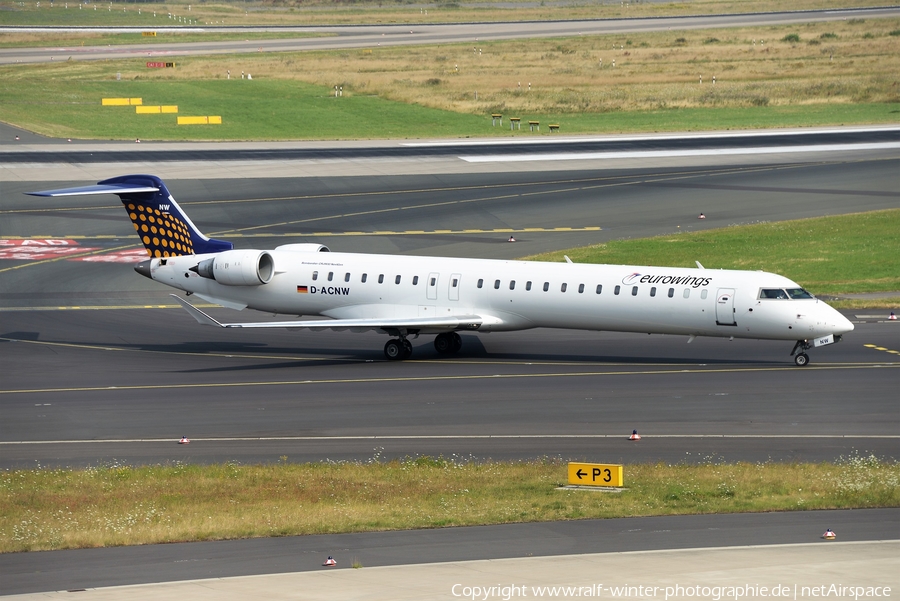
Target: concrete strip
824, 563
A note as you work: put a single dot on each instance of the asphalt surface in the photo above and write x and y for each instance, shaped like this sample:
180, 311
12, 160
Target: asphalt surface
94, 373
161, 153
91, 568
364, 36
87, 360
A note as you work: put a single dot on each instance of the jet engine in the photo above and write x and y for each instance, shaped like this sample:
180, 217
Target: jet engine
238, 268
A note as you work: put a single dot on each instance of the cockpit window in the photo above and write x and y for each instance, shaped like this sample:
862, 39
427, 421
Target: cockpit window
799, 293
778, 293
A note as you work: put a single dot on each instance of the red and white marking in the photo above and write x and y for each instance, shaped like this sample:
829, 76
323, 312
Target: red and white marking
35, 249
134, 255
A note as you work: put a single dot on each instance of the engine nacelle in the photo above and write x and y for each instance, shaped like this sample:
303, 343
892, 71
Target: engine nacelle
238, 268
304, 248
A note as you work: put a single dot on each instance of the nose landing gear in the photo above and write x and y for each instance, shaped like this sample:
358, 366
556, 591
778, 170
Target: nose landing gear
801, 359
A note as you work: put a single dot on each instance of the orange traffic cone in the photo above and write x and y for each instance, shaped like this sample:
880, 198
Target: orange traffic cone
634, 435
184, 440
330, 562
829, 535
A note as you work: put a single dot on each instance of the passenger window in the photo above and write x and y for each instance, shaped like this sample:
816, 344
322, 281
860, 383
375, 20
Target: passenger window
365, 277
496, 284
330, 275
381, 278
687, 293
634, 291
546, 286
616, 290
455, 282
480, 282
704, 293
653, 291
580, 288
512, 284
528, 285
563, 287
415, 280
347, 277
671, 292
315, 275
599, 288
397, 280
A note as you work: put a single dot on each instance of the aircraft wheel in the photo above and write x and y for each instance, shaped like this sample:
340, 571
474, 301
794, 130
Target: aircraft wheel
802, 360
407, 349
456, 341
443, 343
394, 350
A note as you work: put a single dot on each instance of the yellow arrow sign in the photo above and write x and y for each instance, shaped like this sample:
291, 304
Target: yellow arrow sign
595, 474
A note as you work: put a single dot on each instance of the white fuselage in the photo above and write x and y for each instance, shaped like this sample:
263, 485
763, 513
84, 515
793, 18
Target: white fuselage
517, 295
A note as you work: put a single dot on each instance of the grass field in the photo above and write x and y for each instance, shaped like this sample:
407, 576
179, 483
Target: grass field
838, 73
323, 12
851, 253
121, 505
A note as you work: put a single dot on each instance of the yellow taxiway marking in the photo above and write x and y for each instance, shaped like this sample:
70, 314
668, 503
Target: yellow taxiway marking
590, 228
882, 348
99, 308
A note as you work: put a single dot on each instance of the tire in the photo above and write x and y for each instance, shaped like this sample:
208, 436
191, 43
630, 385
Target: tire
443, 344
802, 360
456, 342
394, 350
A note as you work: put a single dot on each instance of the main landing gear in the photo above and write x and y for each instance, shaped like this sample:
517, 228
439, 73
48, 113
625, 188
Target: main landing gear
801, 359
398, 349
447, 343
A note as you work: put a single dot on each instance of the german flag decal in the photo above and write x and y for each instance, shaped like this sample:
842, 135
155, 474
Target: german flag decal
302, 289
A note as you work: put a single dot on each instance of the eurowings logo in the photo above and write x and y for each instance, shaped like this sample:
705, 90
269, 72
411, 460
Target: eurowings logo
684, 280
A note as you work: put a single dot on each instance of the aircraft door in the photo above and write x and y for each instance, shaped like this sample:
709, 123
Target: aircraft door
431, 287
455, 280
725, 307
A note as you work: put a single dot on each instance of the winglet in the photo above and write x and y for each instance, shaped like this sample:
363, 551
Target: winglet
699, 266
196, 313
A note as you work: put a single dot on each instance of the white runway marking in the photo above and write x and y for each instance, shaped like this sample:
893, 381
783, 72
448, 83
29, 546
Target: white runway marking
650, 154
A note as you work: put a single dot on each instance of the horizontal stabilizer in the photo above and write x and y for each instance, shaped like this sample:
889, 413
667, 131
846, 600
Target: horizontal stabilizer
96, 189
457, 322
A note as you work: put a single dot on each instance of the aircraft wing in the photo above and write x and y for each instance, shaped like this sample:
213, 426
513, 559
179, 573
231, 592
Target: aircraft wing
455, 322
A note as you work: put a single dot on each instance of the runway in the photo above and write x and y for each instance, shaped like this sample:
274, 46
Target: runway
362, 36
102, 366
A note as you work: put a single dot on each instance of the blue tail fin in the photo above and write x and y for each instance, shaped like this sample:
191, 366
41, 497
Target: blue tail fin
163, 227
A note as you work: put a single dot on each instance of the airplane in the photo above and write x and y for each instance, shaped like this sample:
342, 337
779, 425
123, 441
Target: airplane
404, 296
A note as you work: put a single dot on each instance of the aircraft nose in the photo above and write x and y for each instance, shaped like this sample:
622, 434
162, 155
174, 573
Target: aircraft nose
839, 323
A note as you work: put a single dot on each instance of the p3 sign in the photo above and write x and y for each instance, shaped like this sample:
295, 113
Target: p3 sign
595, 474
